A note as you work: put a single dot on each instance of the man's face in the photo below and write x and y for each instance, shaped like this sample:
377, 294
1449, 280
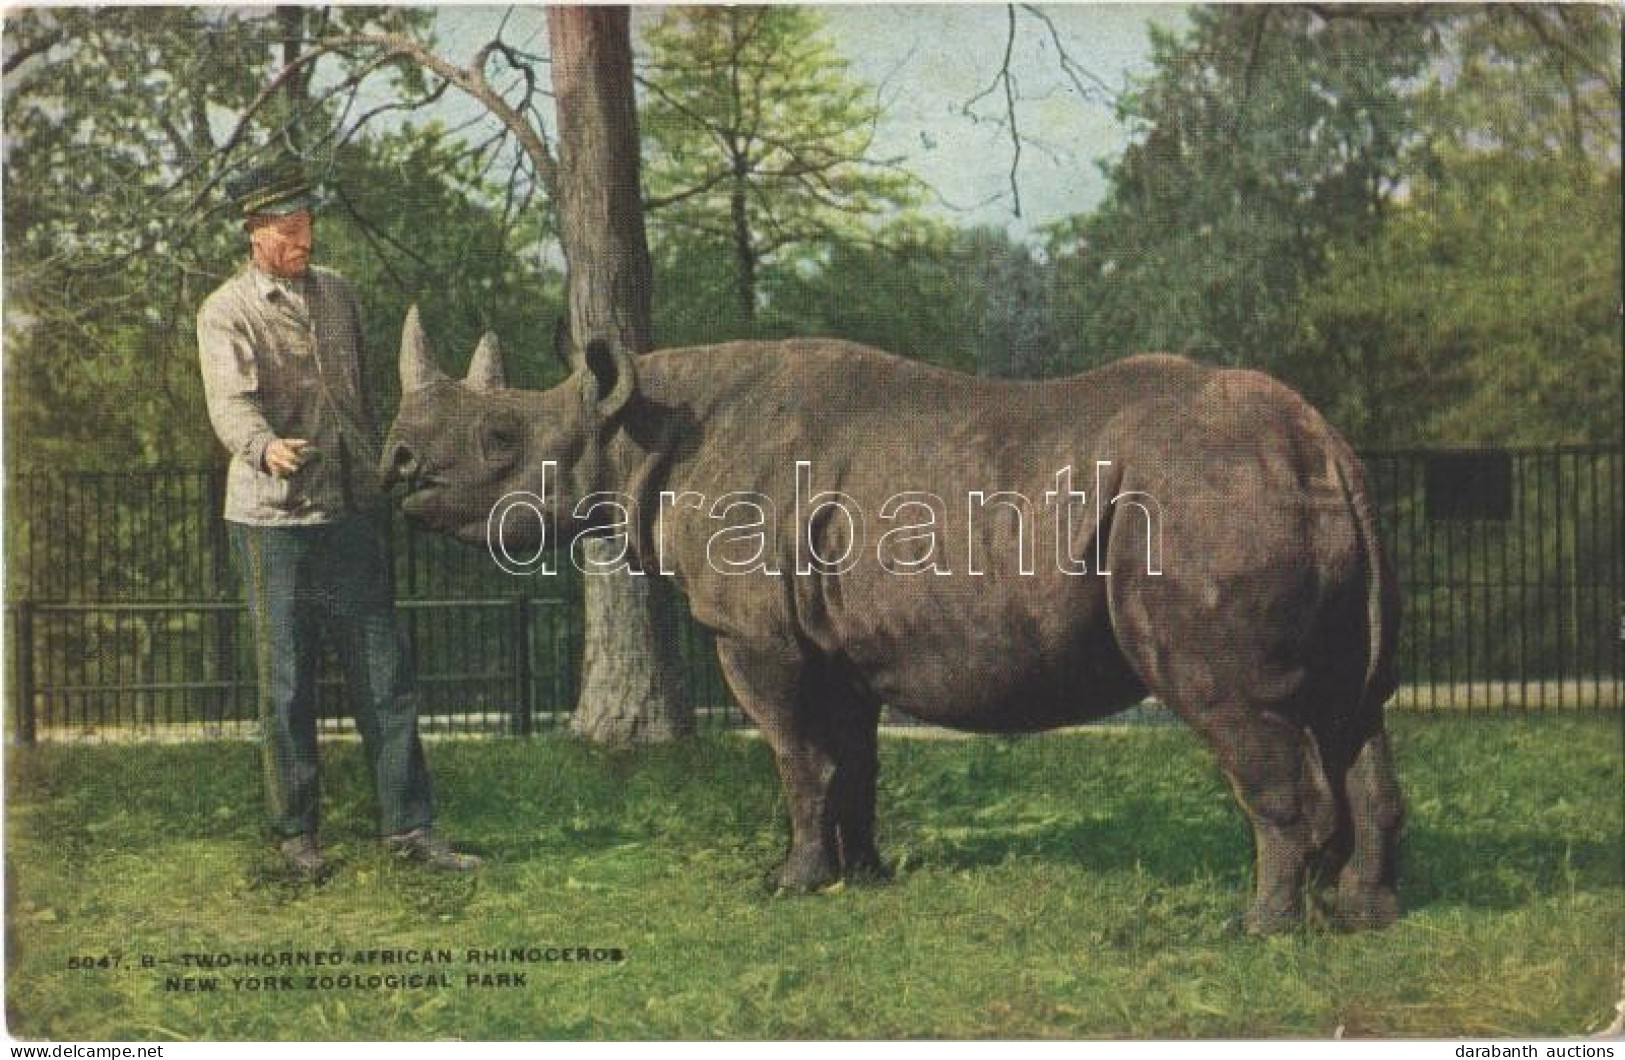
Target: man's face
282, 245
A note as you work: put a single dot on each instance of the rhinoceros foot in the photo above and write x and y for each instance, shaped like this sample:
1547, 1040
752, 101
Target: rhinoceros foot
807, 869
866, 869
1261, 921
1364, 909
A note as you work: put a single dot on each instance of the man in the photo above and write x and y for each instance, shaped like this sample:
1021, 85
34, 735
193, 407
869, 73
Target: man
280, 344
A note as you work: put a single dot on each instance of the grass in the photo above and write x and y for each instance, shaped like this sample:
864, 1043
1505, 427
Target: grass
1071, 885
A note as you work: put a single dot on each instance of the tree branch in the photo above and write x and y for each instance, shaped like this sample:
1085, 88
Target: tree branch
1007, 79
1074, 71
395, 46
27, 51
1531, 16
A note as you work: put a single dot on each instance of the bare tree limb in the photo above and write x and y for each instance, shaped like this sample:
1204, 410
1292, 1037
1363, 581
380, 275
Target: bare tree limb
373, 233
1010, 108
433, 96
27, 51
1074, 71
1532, 16
395, 46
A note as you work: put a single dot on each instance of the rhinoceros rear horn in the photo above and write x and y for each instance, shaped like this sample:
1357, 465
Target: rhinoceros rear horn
485, 369
418, 369
610, 378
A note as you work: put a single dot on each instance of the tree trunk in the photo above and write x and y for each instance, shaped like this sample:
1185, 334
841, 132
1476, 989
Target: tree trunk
744, 256
631, 678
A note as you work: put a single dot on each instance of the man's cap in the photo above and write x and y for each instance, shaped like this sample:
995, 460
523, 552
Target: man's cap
279, 188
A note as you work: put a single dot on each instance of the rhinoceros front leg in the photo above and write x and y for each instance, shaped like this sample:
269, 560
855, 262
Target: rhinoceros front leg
771, 685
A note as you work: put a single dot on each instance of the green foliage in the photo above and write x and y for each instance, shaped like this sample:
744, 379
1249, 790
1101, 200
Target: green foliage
115, 229
1060, 886
1264, 134
907, 297
1496, 280
974, 299
412, 221
1413, 218
760, 144
1531, 82
112, 232
1486, 312
911, 292
696, 299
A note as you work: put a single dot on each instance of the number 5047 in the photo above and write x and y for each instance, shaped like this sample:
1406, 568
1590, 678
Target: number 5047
105, 960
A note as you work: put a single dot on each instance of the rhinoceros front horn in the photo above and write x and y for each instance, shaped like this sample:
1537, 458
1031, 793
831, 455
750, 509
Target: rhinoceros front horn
485, 370
418, 370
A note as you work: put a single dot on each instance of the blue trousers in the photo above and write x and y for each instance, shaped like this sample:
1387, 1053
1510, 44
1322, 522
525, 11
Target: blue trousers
331, 583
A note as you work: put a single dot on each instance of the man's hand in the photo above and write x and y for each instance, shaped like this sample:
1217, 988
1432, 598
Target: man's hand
284, 456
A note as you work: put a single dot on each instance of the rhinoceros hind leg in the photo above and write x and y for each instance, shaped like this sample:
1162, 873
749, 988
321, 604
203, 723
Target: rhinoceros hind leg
1326, 765
1264, 757
853, 719
1366, 886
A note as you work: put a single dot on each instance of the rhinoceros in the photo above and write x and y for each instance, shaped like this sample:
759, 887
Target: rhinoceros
860, 530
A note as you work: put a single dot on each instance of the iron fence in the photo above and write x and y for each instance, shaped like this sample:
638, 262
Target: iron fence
124, 617
185, 669
1509, 564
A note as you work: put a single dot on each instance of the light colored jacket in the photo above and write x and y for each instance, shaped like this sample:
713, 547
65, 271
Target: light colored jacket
282, 359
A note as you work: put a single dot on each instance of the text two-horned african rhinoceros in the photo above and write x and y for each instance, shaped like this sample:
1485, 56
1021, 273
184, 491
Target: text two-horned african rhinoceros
860, 530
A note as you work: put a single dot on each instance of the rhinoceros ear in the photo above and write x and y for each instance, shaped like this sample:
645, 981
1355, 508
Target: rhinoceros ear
418, 369
485, 370
610, 378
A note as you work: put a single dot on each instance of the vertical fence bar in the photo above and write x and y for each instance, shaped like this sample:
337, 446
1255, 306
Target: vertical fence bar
1503, 583
64, 558
1577, 631
1539, 586
1599, 595
1560, 581
1472, 532
1608, 566
564, 657
218, 537
1422, 575
1433, 624
1523, 506
1616, 573
22, 499
524, 705
1404, 567
555, 665
23, 632
1554, 520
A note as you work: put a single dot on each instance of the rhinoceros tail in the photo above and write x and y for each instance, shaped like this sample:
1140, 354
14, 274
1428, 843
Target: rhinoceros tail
1382, 596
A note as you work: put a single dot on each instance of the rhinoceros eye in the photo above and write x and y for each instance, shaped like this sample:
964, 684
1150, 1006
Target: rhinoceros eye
501, 438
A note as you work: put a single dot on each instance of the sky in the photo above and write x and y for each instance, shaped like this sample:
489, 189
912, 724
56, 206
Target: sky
933, 60
928, 62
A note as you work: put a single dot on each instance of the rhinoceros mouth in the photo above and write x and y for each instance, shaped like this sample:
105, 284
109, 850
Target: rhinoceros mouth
417, 497
425, 504
423, 501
